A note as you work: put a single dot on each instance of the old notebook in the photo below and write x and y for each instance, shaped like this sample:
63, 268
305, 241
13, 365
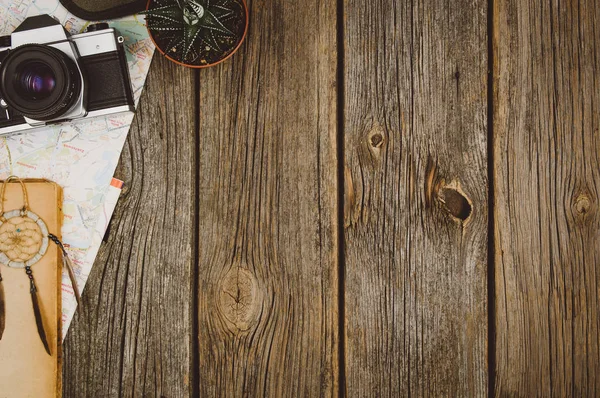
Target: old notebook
26, 370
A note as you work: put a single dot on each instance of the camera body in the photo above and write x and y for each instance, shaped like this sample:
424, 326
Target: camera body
48, 76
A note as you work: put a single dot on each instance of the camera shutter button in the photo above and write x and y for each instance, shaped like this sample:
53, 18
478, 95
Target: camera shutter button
97, 26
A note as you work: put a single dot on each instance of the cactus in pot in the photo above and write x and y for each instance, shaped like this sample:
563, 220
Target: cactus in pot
197, 33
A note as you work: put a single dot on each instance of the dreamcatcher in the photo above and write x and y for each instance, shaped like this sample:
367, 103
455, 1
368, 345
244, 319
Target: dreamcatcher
24, 240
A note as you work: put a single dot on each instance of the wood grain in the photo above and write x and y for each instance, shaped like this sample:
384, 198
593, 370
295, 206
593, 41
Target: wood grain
134, 337
268, 323
220, 276
416, 198
547, 184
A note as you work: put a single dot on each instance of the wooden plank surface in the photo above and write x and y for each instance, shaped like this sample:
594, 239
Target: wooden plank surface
133, 337
267, 291
220, 275
416, 198
547, 184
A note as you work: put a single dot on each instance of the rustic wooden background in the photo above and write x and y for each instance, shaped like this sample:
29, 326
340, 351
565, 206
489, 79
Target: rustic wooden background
372, 198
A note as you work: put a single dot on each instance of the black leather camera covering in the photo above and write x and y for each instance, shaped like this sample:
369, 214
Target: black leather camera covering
107, 79
97, 10
10, 117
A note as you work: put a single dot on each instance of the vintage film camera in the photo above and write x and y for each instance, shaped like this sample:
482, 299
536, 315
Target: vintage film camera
48, 76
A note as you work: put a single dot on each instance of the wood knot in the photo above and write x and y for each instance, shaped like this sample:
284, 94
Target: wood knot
240, 299
583, 204
376, 140
451, 196
456, 203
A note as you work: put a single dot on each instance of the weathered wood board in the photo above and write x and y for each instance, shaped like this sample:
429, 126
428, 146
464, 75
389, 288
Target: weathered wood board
547, 189
267, 291
221, 271
416, 198
134, 336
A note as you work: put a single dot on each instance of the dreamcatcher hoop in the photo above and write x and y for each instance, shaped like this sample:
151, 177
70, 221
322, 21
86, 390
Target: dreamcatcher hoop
23, 234
20, 216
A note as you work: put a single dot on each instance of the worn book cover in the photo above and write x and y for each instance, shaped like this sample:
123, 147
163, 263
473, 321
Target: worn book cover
26, 369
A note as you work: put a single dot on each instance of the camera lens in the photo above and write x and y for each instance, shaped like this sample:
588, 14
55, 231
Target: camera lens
36, 80
40, 82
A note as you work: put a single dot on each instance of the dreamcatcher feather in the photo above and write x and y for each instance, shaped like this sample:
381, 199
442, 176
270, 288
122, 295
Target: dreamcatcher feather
2, 309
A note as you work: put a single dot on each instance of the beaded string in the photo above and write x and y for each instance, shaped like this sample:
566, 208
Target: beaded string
30, 275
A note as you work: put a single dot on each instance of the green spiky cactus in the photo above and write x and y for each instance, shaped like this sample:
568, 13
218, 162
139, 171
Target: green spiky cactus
197, 32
